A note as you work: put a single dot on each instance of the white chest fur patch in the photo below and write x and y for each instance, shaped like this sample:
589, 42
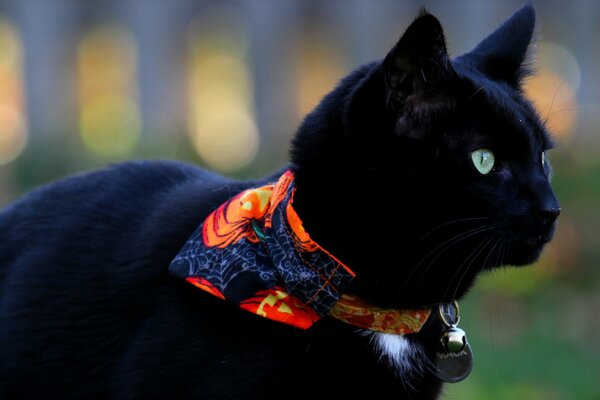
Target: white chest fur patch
403, 355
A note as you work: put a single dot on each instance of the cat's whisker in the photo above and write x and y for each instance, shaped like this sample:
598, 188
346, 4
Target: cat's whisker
485, 264
557, 112
552, 103
445, 225
464, 267
499, 252
472, 257
475, 93
505, 251
455, 239
442, 248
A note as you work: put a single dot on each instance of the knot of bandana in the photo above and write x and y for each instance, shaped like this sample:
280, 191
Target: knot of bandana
254, 252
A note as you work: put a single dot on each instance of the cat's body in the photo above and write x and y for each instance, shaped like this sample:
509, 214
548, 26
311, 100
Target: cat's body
385, 182
117, 325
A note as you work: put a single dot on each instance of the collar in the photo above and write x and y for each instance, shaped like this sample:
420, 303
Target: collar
253, 251
356, 311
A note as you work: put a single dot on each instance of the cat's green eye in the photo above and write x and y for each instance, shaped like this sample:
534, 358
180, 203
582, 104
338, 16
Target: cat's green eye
483, 160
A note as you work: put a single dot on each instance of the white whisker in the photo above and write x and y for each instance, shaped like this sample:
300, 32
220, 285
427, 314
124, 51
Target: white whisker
442, 248
472, 257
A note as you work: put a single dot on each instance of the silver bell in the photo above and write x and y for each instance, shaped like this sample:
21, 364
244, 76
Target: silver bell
454, 340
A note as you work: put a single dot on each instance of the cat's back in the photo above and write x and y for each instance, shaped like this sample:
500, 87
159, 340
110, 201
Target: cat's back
104, 222
92, 212
82, 261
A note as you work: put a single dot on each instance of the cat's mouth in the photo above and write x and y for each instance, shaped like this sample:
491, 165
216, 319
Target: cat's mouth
538, 241
526, 250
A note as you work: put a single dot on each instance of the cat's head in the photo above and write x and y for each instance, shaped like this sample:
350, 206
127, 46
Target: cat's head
420, 171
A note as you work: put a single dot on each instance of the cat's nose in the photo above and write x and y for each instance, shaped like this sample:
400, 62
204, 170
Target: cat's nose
549, 215
546, 205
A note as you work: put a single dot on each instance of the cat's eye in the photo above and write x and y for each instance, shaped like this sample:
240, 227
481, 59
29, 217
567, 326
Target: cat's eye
483, 160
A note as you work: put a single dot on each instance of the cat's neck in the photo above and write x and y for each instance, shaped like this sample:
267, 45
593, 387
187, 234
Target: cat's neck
327, 181
328, 214
342, 195
349, 199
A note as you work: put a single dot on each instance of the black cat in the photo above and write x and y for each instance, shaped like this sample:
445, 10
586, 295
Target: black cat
414, 174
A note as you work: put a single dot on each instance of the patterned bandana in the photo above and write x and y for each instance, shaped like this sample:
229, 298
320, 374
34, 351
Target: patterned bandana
254, 252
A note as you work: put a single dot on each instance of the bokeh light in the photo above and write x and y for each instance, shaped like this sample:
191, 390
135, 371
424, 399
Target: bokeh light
554, 87
13, 126
319, 69
221, 119
109, 119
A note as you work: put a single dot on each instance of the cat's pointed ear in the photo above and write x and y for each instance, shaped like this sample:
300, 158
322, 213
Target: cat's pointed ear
502, 55
418, 59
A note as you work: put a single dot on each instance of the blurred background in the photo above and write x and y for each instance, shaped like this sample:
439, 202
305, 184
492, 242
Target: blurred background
224, 84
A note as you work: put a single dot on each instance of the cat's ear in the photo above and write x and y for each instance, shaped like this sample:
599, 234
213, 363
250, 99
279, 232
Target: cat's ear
418, 60
502, 55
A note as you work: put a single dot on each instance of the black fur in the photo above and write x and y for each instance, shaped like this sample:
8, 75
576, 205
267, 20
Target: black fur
88, 309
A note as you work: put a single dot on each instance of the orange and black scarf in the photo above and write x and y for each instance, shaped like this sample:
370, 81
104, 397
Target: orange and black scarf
254, 252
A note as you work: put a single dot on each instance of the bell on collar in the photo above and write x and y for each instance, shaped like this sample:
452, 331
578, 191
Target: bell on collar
453, 340
454, 359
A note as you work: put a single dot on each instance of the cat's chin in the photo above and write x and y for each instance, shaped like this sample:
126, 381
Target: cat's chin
525, 253
525, 250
